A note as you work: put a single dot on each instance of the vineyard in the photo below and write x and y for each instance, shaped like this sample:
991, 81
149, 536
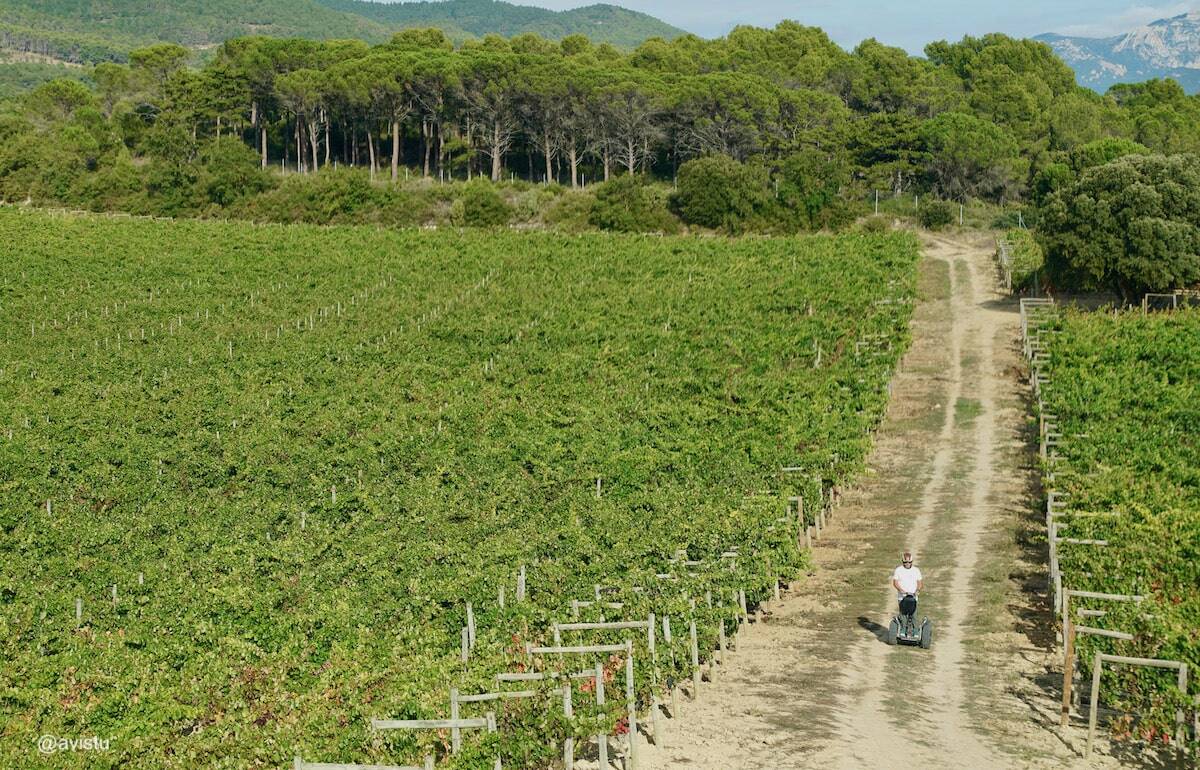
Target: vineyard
1120, 416
262, 485
1021, 259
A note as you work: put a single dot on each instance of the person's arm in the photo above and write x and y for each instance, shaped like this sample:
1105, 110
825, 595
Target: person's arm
920, 581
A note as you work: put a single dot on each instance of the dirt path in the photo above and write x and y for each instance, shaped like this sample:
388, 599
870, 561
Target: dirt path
815, 685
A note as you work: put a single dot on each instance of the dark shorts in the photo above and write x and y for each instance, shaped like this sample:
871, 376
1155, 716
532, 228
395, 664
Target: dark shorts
908, 605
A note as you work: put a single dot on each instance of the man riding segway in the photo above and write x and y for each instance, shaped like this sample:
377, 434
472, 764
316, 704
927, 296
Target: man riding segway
908, 582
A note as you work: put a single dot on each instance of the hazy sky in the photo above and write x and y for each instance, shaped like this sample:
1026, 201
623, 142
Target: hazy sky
906, 23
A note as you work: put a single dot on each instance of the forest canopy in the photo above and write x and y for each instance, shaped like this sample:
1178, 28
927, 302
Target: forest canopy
991, 118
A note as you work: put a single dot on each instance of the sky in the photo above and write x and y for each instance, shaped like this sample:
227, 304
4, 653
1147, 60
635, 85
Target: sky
909, 24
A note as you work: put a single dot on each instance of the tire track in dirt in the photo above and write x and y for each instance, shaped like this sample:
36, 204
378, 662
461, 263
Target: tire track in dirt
869, 731
813, 685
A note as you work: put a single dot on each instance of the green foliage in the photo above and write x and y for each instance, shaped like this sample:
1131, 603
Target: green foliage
992, 119
937, 215
1060, 175
462, 391
631, 204
1026, 257
876, 224
341, 196
118, 185
17, 77
1130, 226
1010, 83
1124, 389
1103, 151
602, 23
480, 205
970, 156
231, 172
59, 39
71, 27
1051, 179
1081, 117
58, 100
720, 193
888, 151
810, 183
570, 212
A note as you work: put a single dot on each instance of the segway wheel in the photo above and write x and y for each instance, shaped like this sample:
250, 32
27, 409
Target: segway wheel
926, 634
893, 632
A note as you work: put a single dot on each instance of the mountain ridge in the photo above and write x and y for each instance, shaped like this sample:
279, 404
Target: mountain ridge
602, 22
84, 31
1166, 48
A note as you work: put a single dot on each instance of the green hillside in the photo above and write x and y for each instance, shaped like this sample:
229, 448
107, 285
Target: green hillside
602, 23
123, 24
18, 75
89, 31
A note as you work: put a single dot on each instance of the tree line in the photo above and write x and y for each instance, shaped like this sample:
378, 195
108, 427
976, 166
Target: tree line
993, 118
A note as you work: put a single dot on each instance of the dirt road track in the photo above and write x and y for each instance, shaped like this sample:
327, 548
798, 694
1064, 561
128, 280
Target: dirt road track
814, 684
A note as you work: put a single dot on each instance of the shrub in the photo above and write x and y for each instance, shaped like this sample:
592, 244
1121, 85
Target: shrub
570, 212
876, 224
720, 193
1026, 255
232, 171
327, 196
171, 188
480, 205
1050, 180
810, 182
630, 204
115, 186
936, 215
1104, 151
530, 205
1131, 226
1015, 219
342, 196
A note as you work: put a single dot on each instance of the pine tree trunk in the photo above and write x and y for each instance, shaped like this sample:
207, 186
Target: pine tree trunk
427, 147
326, 119
549, 158
470, 147
371, 150
441, 154
264, 146
607, 165
395, 149
315, 141
496, 152
574, 157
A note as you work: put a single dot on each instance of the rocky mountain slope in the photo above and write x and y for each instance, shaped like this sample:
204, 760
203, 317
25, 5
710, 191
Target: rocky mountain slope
1165, 48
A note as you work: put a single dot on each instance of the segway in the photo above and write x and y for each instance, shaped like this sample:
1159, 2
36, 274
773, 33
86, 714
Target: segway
904, 628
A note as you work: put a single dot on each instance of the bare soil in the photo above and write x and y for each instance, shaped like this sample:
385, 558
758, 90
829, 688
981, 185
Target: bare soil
813, 683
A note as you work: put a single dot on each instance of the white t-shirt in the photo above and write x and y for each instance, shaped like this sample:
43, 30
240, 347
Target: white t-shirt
907, 578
